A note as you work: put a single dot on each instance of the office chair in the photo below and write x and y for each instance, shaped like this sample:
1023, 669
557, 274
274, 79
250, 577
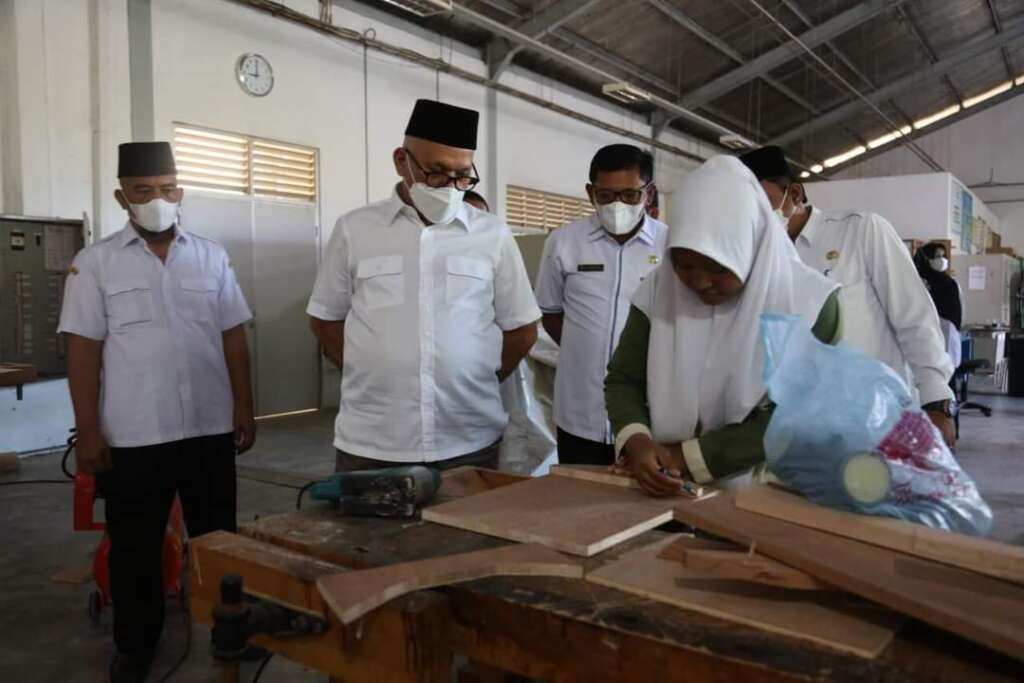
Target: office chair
960, 380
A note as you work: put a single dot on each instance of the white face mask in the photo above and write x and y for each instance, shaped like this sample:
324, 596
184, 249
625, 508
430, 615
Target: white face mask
439, 205
940, 263
620, 218
156, 215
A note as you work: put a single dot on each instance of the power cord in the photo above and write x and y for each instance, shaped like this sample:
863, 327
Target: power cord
188, 646
302, 492
263, 665
34, 481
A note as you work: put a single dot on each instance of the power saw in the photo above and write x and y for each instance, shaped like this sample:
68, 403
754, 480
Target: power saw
385, 492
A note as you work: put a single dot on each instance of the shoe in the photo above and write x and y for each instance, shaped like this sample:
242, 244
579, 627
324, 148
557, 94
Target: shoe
255, 653
126, 668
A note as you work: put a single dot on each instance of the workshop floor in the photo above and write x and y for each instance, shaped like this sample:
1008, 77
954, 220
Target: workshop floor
47, 635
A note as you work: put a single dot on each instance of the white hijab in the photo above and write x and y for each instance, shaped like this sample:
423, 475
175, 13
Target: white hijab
705, 363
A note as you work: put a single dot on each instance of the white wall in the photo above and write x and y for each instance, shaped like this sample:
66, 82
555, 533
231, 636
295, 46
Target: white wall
916, 205
69, 117
65, 104
990, 143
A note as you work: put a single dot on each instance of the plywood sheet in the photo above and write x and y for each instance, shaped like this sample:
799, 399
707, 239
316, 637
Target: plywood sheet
834, 620
352, 595
981, 608
602, 475
978, 554
567, 514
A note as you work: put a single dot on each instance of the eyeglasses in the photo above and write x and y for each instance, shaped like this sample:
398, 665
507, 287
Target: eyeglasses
438, 179
632, 196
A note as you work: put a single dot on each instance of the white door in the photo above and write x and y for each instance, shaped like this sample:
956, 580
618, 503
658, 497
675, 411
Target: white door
272, 247
284, 267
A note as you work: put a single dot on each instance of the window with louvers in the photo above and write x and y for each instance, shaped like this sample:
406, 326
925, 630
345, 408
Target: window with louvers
241, 164
545, 210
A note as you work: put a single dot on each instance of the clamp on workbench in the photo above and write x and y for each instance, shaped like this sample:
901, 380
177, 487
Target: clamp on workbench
238, 617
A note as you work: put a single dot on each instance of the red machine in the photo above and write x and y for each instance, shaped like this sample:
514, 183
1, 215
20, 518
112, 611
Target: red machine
173, 554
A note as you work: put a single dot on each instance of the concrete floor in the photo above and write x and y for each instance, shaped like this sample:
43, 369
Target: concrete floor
46, 635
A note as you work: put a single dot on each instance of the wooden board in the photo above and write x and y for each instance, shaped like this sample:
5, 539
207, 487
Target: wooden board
12, 374
602, 475
567, 514
351, 595
405, 642
466, 481
834, 620
981, 608
728, 561
978, 554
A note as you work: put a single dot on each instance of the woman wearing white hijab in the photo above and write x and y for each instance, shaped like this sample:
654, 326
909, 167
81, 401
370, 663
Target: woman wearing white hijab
684, 389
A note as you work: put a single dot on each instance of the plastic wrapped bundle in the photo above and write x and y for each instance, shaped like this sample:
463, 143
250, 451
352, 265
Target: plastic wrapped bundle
847, 434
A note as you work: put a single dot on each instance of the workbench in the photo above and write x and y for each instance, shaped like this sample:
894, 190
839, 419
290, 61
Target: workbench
17, 375
558, 630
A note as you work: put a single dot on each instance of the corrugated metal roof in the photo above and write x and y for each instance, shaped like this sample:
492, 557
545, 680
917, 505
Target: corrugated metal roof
640, 41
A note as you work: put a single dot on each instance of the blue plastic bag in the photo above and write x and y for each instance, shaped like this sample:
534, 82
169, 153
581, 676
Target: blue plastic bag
847, 434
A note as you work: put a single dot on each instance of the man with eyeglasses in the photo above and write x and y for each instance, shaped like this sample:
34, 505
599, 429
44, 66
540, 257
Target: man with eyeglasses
588, 273
424, 303
887, 312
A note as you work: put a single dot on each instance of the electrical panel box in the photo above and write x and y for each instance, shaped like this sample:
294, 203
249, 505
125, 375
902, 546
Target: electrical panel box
990, 284
35, 255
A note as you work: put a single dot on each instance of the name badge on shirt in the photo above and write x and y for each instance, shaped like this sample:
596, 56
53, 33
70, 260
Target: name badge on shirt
590, 268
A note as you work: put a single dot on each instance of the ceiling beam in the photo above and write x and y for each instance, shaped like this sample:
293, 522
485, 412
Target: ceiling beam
778, 56
840, 55
684, 20
527, 42
929, 52
501, 51
965, 53
997, 24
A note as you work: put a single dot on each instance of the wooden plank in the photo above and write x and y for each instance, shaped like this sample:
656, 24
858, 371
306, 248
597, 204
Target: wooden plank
981, 608
351, 595
833, 620
13, 374
602, 475
405, 642
728, 561
978, 554
573, 516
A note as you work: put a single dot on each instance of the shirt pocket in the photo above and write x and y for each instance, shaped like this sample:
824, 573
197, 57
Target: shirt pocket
198, 298
469, 281
381, 280
128, 303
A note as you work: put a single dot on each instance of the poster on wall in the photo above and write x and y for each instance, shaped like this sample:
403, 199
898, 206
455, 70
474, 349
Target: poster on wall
956, 210
966, 220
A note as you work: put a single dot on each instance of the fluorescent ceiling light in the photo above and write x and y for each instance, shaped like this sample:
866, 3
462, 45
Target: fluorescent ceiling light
805, 174
845, 156
999, 89
817, 168
937, 116
889, 137
625, 92
422, 8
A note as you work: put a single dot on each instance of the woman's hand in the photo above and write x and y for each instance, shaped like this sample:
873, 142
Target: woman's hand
653, 466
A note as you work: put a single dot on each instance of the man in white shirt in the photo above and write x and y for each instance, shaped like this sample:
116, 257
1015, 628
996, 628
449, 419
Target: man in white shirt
424, 303
158, 369
588, 274
887, 312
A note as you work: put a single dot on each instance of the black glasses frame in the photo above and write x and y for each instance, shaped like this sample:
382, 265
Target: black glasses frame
439, 179
624, 195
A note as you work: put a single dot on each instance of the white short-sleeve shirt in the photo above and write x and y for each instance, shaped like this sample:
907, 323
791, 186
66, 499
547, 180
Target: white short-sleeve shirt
887, 312
424, 310
587, 276
164, 375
